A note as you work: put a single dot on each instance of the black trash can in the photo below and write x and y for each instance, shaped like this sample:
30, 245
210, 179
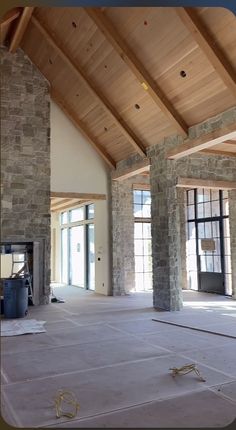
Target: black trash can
15, 297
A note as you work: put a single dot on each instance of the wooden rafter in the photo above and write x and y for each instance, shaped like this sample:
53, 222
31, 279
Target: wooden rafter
82, 128
10, 16
208, 45
205, 141
20, 28
59, 202
143, 76
99, 96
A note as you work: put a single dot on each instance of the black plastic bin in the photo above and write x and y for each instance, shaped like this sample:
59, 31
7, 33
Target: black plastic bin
15, 297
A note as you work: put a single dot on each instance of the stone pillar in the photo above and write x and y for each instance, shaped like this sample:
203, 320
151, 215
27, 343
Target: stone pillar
232, 223
122, 237
166, 237
25, 159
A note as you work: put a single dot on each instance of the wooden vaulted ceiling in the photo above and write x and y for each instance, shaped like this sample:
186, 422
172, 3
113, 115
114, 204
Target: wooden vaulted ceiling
128, 77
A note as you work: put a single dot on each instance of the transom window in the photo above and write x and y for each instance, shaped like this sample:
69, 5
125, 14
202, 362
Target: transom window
142, 204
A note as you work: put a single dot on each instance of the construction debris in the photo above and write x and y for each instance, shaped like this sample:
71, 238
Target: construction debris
68, 398
187, 368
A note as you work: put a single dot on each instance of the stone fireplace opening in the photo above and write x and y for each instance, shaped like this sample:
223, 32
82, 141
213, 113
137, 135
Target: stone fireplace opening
24, 258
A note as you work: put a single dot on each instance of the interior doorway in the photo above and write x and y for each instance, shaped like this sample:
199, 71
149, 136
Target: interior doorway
208, 241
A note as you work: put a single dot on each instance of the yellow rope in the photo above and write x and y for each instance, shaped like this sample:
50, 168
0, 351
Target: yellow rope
69, 398
187, 369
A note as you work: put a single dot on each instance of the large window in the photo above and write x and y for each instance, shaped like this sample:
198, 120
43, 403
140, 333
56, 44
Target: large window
208, 237
78, 247
142, 240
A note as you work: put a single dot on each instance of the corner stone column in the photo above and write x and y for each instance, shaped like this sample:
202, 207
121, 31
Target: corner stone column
166, 231
232, 223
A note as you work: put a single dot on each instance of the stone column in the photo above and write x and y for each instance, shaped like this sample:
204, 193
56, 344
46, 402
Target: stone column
232, 222
122, 237
166, 237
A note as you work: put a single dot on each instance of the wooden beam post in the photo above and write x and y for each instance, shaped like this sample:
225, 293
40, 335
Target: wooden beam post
143, 76
203, 142
205, 183
99, 96
83, 129
136, 169
20, 28
208, 45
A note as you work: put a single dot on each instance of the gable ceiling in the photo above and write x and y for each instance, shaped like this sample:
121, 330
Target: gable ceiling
128, 77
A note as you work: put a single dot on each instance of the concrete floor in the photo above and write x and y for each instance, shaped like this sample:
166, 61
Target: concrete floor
116, 360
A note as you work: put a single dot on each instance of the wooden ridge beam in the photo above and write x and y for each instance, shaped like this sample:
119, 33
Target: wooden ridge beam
203, 142
208, 45
135, 65
83, 129
81, 196
205, 183
20, 28
99, 96
136, 169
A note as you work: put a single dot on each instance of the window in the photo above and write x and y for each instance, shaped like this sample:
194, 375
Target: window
142, 204
90, 211
77, 214
64, 217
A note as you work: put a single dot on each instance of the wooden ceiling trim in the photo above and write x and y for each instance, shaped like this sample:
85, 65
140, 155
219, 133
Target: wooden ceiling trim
81, 196
20, 28
126, 130
218, 152
203, 142
128, 56
83, 129
208, 45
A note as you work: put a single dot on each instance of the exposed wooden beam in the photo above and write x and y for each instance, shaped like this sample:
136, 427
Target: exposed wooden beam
83, 129
230, 142
209, 46
94, 90
68, 205
135, 65
203, 142
218, 152
81, 196
205, 183
59, 202
136, 169
10, 16
20, 28
141, 187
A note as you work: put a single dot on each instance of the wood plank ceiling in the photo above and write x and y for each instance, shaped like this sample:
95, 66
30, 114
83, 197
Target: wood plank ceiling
128, 77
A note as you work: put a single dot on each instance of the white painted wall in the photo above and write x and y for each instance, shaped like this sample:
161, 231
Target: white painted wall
76, 167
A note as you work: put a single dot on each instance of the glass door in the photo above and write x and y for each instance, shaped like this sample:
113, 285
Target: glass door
77, 260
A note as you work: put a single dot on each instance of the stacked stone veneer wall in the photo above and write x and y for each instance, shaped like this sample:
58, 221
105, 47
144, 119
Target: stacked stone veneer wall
168, 213
123, 275
25, 158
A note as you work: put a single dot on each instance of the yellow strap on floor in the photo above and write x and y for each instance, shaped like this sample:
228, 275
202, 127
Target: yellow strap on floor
69, 398
187, 368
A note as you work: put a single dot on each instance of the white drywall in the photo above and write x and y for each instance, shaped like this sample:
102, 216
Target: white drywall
76, 167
